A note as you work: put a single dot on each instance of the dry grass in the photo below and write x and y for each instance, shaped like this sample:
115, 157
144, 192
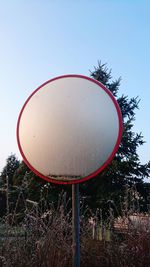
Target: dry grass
45, 240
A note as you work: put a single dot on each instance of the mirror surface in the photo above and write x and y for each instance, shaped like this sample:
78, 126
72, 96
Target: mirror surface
69, 128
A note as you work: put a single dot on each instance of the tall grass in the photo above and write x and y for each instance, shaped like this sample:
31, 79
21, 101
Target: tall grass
44, 239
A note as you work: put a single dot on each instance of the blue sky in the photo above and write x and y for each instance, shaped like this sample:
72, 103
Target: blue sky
43, 39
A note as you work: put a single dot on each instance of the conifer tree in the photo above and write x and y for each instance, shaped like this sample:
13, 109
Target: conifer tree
126, 169
12, 164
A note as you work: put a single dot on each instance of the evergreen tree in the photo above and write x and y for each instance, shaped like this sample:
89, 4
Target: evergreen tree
31, 184
34, 187
125, 169
12, 164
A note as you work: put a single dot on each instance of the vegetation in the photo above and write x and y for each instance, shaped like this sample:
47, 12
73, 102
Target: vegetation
125, 169
38, 240
36, 215
107, 187
12, 164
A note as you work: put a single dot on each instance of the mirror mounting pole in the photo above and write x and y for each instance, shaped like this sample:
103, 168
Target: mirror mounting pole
76, 225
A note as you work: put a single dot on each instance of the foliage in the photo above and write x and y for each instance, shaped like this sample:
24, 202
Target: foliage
12, 164
45, 240
36, 188
126, 167
2, 203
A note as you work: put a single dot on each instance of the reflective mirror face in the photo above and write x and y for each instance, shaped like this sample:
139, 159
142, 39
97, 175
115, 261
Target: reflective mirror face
69, 129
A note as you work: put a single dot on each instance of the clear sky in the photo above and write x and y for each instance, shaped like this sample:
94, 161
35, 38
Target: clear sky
40, 40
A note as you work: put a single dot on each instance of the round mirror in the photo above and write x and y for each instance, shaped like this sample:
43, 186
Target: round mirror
69, 129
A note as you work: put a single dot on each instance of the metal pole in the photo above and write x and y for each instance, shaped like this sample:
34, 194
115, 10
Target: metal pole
76, 225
